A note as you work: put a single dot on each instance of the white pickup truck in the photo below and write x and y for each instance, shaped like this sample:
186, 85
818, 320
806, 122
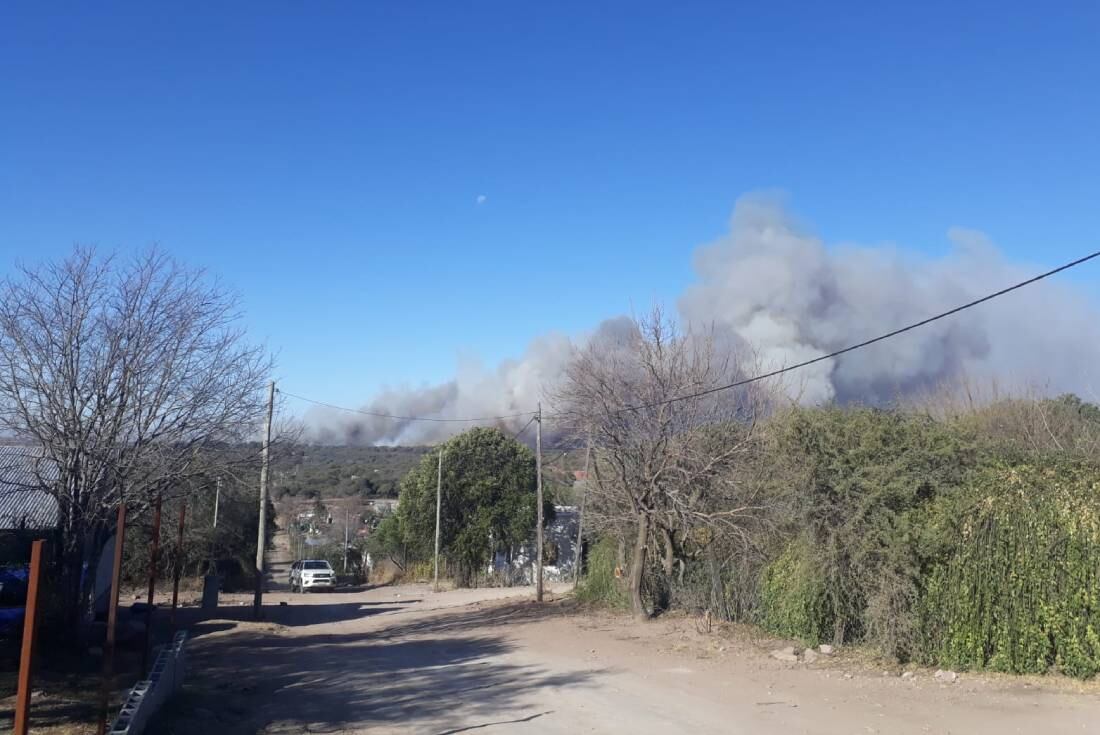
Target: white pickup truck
311, 574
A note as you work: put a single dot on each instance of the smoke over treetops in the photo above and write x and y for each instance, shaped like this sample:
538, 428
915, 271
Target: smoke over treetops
779, 288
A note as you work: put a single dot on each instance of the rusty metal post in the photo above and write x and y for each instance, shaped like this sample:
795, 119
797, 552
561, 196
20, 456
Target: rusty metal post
154, 553
179, 565
30, 637
112, 622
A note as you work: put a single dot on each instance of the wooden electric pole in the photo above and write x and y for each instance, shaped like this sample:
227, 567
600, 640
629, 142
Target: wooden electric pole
538, 501
438, 505
177, 569
347, 519
217, 499
112, 621
154, 554
578, 554
261, 533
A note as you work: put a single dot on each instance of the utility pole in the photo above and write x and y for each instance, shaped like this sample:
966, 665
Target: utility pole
347, 516
154, 553
217, 499
261, 539
580, 516
538, 501
112, 621
438, 504
178, 569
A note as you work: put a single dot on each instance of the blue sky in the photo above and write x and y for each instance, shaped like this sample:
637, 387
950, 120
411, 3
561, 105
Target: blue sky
327, 161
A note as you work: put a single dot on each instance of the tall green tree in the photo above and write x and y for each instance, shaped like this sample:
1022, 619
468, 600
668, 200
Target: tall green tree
488, 501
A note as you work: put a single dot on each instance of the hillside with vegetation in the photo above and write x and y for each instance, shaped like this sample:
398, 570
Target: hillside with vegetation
317, 471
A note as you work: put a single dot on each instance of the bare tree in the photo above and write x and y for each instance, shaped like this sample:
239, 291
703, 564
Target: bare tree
123, 374
667, 446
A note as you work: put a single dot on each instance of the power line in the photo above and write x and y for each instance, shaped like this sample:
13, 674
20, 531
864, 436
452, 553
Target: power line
557, 459
865, 343
406, 418
520, 432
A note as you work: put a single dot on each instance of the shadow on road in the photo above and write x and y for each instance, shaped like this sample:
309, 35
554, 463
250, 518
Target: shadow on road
493, 616
434, 671
290, 615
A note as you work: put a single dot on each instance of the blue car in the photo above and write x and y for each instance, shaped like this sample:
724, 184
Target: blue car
13, 600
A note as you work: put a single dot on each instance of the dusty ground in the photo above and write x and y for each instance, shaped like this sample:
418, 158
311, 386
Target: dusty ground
65, 686
405, 660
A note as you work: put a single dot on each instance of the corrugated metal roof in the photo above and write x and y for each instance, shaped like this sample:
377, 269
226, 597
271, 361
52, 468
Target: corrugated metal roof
23, 502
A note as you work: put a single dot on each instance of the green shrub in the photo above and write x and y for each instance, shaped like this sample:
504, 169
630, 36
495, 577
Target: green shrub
422, 571
1019, 592
793, 603
861, 479
599, 585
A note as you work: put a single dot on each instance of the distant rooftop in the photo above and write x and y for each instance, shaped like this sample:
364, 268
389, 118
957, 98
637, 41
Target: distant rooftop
23, 501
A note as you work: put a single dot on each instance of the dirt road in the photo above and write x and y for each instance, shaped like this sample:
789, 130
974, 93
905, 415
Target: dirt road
405, 660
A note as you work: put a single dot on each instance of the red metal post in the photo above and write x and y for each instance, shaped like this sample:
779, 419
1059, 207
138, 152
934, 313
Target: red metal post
179, 565
154, 553
112, 622
30, 635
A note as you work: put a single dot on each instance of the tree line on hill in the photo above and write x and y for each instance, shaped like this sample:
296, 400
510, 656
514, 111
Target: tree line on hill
308, 471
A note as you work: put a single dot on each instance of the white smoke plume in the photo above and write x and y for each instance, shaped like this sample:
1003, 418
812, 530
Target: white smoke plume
783, 291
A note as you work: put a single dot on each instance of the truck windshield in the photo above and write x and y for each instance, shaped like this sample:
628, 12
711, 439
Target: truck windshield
316, 565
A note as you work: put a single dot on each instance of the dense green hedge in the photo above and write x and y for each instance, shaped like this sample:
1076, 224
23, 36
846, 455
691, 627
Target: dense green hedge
970, 541
599, 584
1009, 581
793, 603
1021, 590
862, 479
